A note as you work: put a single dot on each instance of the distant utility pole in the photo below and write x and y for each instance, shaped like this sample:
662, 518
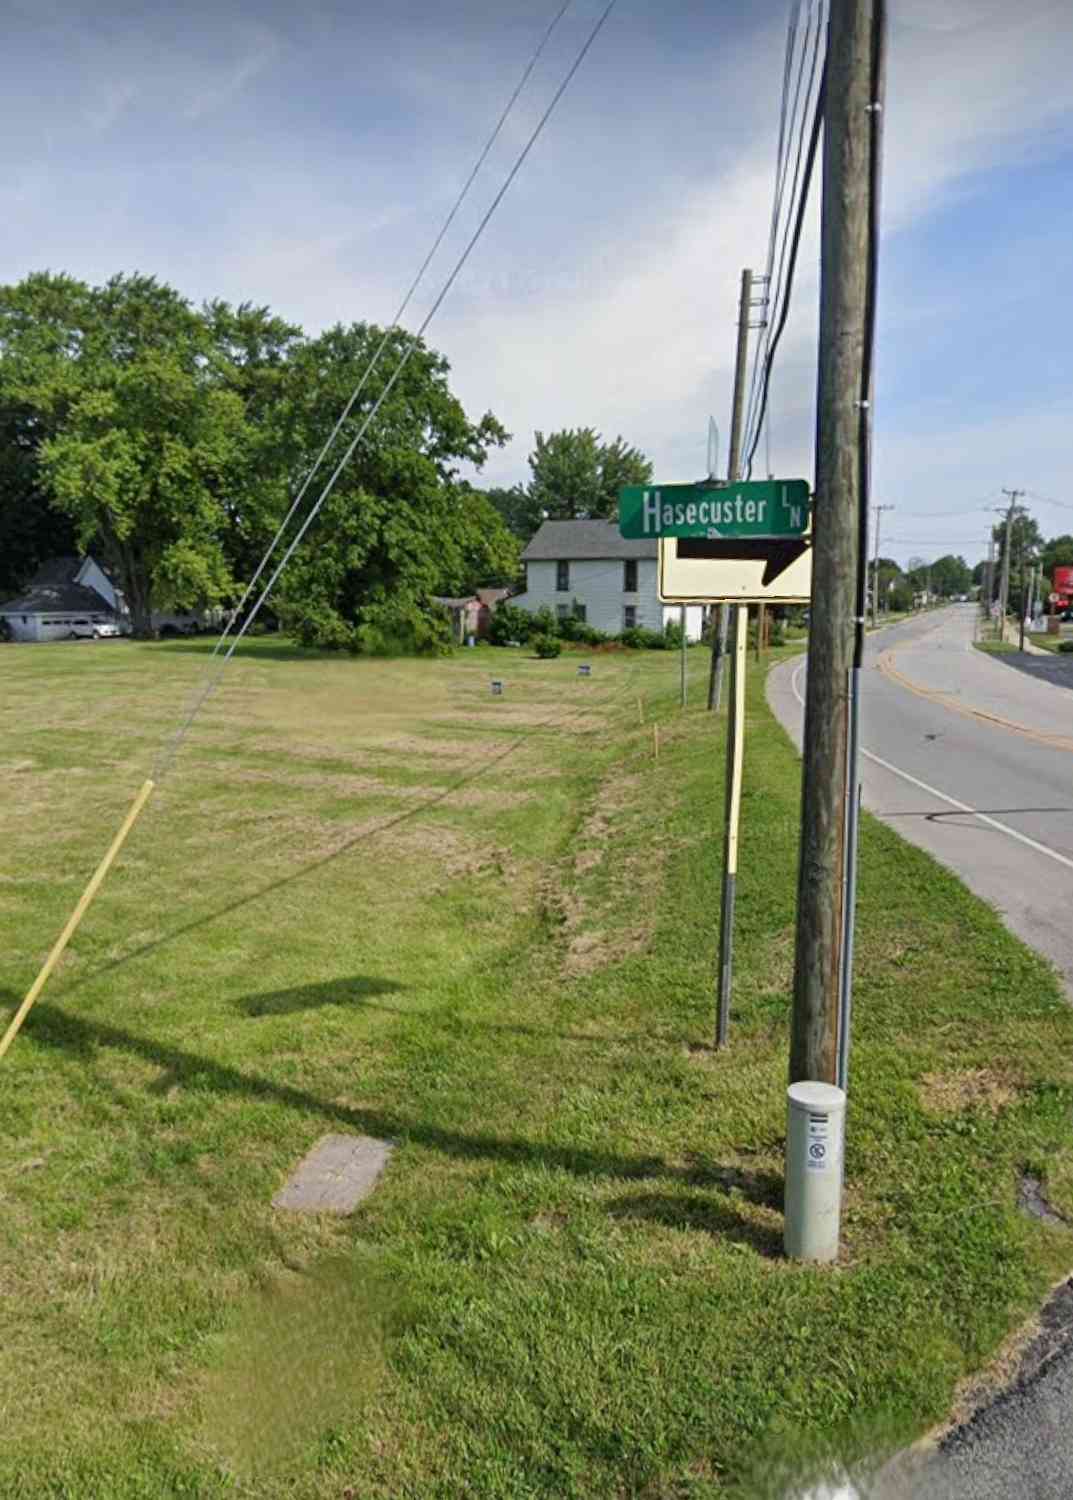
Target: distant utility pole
1004, 591
737, 415
878, 509
827, 868
989, 575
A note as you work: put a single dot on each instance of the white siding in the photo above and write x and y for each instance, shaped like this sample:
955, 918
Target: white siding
93, 577
672, 613
597, 583
24, 627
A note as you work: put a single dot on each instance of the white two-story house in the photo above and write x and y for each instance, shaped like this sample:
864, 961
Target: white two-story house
585, 568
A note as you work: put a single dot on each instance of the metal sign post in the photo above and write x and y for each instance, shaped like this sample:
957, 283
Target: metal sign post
735, 764
733, 544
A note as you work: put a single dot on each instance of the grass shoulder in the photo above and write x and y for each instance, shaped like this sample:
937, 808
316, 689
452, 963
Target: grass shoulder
1050, 642
499, 954
995, 648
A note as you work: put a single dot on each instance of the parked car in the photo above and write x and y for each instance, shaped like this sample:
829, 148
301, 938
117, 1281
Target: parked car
81, 627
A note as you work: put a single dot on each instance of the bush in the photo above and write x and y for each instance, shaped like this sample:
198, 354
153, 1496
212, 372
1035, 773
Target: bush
572, 628
639, 639
509, 623
1065, 645
672, 635
544, 622
546, 646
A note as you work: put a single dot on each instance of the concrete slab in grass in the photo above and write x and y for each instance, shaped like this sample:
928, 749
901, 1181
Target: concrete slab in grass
335, 1175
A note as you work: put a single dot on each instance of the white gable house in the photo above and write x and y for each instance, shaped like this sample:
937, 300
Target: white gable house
586, 569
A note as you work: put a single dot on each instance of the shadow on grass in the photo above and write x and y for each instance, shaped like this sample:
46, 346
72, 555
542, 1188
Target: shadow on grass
356, 990
259, 648
364, 837
360, 989
718, 1217
82, 1039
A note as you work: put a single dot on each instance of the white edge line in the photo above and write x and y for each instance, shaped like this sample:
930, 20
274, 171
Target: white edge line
1022, 838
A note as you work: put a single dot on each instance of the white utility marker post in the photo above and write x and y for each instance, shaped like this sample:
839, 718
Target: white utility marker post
816, 1118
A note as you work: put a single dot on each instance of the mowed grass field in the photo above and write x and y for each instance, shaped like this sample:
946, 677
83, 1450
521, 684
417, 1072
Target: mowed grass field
372, 898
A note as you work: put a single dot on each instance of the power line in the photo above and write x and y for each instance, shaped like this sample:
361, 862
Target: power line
775, 292
781, 161
1045, 500
171, 748
817, 121
403, 305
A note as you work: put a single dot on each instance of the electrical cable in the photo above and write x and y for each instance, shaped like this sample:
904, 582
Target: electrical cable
864, 431
780, 295
776, 205
403, 305
170, 750
785, 149
810, 160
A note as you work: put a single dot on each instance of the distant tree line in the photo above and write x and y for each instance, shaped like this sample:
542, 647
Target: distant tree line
171, 439
574, 475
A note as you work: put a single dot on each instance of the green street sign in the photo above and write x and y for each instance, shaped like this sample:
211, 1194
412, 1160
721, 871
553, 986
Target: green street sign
755, 508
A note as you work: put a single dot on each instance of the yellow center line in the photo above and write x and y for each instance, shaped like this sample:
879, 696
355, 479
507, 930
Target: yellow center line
885, 664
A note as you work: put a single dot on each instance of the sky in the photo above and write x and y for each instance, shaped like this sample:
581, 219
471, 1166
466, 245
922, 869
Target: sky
304, 157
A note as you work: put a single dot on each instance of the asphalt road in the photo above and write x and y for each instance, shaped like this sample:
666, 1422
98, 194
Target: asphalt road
1054, 668
973, 761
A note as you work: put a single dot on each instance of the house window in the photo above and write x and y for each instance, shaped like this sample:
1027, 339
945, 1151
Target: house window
629, 616
629, 576
562, 577
579, 611
562, 611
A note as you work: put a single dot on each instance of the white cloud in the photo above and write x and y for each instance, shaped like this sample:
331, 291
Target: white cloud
258, 49
605, 290
109, 101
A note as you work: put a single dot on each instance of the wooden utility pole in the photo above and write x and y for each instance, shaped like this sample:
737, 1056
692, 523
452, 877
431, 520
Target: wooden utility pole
1004, 590
878, 509
990, 575
737, 416
849, 200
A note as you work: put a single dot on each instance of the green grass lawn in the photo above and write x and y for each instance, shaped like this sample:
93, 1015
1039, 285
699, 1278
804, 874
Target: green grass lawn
1048, 642
996, 648
372, 898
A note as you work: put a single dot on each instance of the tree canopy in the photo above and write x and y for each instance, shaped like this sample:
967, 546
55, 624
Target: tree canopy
172, 439
576, 474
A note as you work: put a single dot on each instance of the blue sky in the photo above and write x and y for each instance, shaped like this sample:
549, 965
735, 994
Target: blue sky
304, 157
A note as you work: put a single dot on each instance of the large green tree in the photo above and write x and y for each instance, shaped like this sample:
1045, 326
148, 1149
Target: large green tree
138, 429
576, 474
519, 511
950, 576
1057, 553
171, 440
400, 525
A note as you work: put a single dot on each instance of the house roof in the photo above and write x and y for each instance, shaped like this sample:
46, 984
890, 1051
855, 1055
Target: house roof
577, 541
57, 570
47, 598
